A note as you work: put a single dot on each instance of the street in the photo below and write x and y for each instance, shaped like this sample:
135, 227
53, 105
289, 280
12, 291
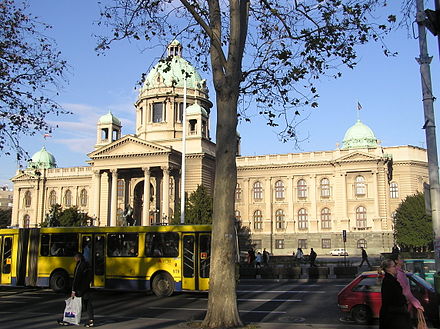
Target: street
262, 302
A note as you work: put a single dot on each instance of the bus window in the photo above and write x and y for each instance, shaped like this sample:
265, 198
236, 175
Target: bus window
162, 244
99, 256
123, 245
44, 245
64, 244
7, 255
188, 256
205, 255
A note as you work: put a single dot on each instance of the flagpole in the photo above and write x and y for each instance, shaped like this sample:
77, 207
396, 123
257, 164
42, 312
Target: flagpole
182, 192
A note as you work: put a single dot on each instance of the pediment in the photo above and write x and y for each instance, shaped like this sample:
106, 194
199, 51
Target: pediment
127, 146
357, 156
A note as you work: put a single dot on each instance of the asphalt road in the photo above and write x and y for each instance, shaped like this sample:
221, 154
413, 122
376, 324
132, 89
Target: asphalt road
311, 303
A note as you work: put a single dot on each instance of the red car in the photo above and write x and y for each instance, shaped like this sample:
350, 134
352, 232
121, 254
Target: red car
361, 298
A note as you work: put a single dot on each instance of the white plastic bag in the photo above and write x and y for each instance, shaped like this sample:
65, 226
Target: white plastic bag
72, 312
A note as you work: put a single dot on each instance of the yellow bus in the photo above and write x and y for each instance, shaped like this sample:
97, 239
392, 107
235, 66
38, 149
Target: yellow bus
163, 259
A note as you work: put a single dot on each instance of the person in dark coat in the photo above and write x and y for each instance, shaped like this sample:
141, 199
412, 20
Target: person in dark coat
394, 311
364, 257
312, 257
82, 278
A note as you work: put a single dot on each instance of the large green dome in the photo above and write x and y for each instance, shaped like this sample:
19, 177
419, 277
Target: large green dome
359, 136
42, 160
170, 72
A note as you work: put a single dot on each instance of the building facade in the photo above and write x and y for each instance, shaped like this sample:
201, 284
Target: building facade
287, 200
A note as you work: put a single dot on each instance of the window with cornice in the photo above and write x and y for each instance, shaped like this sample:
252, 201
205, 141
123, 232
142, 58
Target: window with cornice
302, 219
258, 220
238, 192
279, 219
27, 199
394, 190
258, 191
68, 198
361, 217
325, 218
279, 190
83, 198
158, 114
359, 186
302, 189
325, 188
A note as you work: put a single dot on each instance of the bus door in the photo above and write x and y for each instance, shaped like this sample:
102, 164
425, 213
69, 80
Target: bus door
189, 263
6, 259
204, 259
98, 260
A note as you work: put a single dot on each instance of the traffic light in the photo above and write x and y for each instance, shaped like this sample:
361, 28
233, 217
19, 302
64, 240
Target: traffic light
432, 21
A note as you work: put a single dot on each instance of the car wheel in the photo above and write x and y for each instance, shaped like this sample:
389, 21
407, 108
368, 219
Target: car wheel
59, 281
163, 285
361, 314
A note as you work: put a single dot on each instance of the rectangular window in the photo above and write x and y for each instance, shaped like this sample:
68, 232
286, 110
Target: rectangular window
7, 255
257, 244
279, 243
162, 244
63, 244
123, 245
205, 255
44, 245
326, 243
158, 112
302, 243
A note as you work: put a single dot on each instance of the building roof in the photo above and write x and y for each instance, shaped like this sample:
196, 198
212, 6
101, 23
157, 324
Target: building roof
42, 160
359, 136
109, 118
196, 109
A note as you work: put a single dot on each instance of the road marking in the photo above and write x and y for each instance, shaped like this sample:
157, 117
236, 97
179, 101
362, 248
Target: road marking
284, 291
255, 300
204, 309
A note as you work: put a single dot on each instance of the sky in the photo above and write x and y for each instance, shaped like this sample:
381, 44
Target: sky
388, 88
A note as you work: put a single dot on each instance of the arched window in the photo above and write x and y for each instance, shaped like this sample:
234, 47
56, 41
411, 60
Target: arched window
362, 243
302, 219
326, 218
361, 217
325, 188
360, 186
279, 190
120, 188
279, 219
27, 199
394, 190
258, 220
26, 221
237, 215
302, 189
237, 192
68, 198
258, 191
52, 198
83, 198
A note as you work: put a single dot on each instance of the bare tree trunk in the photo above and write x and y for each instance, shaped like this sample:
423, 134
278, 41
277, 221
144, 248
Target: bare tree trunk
222, 304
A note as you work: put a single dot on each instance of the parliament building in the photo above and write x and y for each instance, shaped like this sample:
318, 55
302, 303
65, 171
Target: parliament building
286, 200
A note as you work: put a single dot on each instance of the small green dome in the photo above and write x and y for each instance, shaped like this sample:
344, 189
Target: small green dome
359, 136
109, 118
196, 109
171, 72
42, 160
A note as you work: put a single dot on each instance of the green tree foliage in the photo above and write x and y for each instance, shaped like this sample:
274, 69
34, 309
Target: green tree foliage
198, 208
413, 227
31, 71
57, 217
5, 217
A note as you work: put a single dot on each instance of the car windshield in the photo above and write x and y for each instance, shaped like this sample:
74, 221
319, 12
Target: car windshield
369, 284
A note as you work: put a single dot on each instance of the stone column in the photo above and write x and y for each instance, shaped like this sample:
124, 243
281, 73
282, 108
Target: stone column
165, 194
376, 195
313, 205
17, 203
96, 194
345, 201
147, 196
114, 197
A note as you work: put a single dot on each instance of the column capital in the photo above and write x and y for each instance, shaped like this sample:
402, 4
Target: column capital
146, 169
114, 171
96, 172
165, 169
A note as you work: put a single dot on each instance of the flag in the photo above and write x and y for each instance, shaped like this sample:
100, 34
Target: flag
359, 106
46, 136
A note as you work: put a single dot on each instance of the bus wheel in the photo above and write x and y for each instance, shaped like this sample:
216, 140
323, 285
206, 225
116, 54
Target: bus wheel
59, 281
163, 285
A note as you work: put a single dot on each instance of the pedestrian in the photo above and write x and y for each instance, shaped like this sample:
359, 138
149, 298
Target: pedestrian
393, 312
265, 257
395, 249
312, 257
251, 256
82, 278
299, 255
258, 260
364, 258
413, 303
